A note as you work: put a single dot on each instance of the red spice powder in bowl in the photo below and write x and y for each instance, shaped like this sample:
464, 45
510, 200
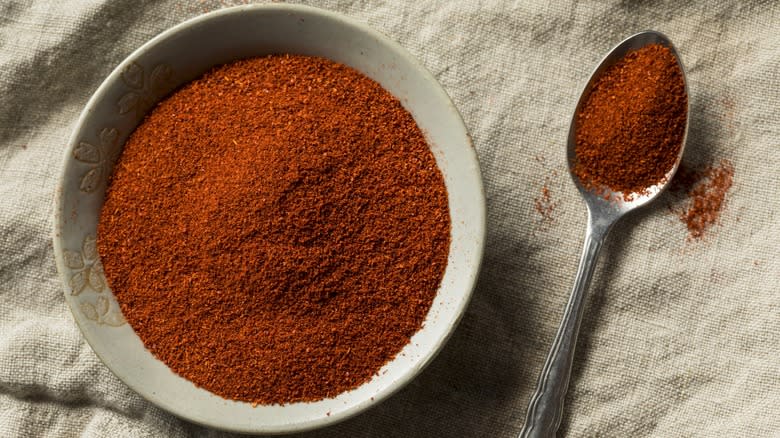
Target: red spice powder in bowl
115, 266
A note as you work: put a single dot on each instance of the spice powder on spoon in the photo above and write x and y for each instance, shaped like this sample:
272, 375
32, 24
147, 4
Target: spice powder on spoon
632, 123
276, 230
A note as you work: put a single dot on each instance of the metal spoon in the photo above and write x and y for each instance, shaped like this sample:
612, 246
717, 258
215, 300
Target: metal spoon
546, 407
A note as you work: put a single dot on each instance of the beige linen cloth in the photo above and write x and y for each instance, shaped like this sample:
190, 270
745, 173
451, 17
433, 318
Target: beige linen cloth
681, 338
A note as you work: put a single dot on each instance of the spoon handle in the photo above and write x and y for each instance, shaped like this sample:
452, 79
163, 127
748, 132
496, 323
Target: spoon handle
546, 407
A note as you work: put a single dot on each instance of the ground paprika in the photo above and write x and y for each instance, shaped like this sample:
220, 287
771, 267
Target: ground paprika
276, 230
705, 191
631, 125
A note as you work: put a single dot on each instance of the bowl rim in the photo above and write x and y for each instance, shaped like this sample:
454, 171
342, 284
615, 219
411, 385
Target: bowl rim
469, 153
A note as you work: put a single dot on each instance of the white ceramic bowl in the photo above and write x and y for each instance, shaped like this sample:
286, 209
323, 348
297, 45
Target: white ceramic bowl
182, 54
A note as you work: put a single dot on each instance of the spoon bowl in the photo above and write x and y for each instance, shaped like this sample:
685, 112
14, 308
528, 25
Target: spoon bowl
615, 202
605, 208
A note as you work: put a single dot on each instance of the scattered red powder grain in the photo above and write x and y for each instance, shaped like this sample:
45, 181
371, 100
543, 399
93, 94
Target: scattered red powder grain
706, 191
544, 205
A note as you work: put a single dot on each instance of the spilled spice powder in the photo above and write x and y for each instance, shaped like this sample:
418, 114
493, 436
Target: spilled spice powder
544, 205
706, 192
631, 125
276, 230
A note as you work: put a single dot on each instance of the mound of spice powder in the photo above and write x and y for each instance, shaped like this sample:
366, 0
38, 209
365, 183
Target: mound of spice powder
276, 230
632, 123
